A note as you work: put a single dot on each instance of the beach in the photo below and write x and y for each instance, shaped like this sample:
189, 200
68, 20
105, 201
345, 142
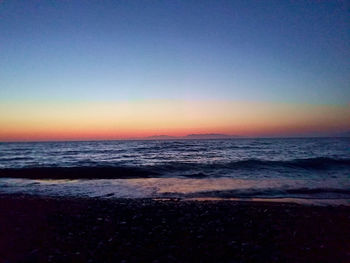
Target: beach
66, 229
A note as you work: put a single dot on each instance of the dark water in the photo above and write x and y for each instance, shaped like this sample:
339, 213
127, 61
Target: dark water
303, 167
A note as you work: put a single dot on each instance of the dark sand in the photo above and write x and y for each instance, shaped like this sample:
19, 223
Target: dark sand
43, 229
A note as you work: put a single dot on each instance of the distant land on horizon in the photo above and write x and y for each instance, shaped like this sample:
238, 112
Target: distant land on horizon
228, 136
204, 136
210, 136
190, 136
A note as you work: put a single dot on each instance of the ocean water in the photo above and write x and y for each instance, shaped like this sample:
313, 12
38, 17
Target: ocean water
294, 168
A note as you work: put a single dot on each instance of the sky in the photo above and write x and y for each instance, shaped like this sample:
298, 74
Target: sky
119, 69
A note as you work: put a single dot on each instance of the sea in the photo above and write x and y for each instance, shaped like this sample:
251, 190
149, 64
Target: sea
302, 170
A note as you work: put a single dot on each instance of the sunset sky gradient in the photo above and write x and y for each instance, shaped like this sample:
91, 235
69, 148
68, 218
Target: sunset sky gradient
79, 70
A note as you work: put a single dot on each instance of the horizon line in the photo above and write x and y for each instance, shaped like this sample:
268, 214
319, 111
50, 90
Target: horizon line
181, 138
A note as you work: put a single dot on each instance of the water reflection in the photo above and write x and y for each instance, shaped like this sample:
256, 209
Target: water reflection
198, 189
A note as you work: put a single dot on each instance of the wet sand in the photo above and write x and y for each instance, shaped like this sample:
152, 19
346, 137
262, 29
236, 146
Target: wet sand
47, 229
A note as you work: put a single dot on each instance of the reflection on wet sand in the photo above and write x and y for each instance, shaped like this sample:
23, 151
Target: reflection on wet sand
277, 190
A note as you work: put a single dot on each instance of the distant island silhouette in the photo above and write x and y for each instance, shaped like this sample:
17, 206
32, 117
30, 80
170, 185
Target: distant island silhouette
190, 136
203, 136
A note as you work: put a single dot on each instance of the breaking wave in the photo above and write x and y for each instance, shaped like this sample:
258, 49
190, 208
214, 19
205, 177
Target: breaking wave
96, 170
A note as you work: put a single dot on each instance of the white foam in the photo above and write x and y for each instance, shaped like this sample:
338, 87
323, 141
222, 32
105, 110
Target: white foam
149, 187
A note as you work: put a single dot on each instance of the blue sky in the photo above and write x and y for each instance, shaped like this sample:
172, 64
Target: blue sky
270, 51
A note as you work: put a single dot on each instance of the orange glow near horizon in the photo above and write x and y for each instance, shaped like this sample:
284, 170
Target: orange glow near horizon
123, 120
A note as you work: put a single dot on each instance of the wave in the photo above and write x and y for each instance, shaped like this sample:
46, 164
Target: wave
76, 173
94, 170
320, 162
306, 193
7, 159
310, 163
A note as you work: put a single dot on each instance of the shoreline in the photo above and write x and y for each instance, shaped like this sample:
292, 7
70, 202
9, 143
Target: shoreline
265, 190
312, 202
63, 229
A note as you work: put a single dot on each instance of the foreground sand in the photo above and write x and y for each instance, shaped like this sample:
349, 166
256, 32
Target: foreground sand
39, 229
